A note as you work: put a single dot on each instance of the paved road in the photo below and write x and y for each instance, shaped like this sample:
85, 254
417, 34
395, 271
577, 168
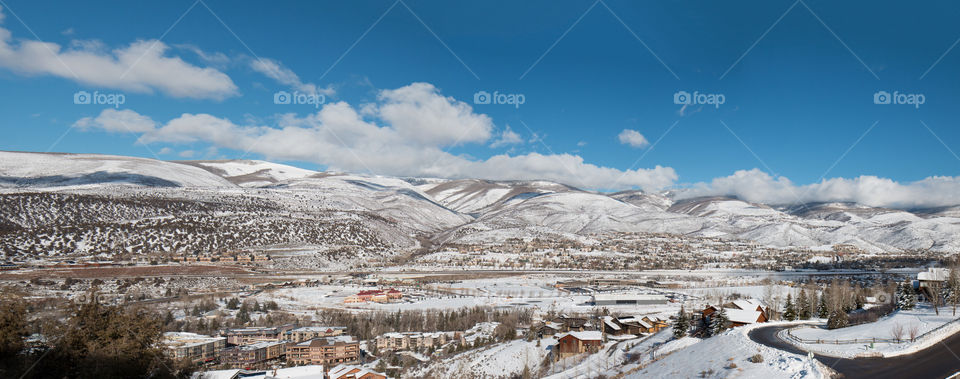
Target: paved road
937, 361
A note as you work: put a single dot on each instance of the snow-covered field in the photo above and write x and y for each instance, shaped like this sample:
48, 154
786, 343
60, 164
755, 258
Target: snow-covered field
921, 319
502, 360
724, 356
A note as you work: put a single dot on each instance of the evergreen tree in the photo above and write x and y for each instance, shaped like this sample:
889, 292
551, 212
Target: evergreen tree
838, 319
803, 305
789, 311
233, 303
719, 322
705, 327
822, 307
681, 325
906, 298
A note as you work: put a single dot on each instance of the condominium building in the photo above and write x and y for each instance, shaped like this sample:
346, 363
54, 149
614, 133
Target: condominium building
327, 351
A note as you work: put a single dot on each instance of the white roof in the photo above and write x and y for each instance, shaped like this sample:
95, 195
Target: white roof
317, 328
341, 370
184, 339
628, 296
748, 304
299, 372
609, 321
743, 316
413, 334
592, 335
935, 274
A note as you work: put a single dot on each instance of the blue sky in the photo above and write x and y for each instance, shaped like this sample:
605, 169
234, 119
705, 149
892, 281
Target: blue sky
798, 86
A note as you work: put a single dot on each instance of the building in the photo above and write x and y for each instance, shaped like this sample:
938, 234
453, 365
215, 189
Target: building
571, 324
379, 296
656, 322
354, 372
933, 276
289, 372
739, 312
195, 347
740, 317
634, 325
574, 343
327, 351
310, 332
606, 299
246, 336
411, 341
748, 304
253, 355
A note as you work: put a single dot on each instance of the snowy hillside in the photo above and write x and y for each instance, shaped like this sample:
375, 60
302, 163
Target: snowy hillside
48, 170
55, 204
473, 195
251, 173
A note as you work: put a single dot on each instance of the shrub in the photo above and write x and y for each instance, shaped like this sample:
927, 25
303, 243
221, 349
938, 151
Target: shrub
756, 358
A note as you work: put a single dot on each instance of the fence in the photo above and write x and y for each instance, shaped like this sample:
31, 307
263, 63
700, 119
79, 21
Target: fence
789, 334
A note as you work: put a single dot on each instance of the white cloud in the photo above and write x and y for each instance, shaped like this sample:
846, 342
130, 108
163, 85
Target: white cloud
507, 137
389, 140
117, 121
216, 57
419, 113
165, 151
283, 75
757, 186
140, 67
187, 154
633, 138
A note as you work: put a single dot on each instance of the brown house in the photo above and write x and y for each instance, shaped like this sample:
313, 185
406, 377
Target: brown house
254, 355
741, 317
327, 351
571, 324
575, 343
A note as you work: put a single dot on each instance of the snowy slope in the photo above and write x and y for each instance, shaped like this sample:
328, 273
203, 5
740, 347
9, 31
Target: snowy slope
250, 173
473, 195
53, 170
400, 211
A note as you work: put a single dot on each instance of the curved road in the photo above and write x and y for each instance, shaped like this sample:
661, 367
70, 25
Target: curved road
937, 361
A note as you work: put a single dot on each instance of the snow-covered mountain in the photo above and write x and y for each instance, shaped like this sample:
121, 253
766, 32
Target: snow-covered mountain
249, 173
56, 170
81, 204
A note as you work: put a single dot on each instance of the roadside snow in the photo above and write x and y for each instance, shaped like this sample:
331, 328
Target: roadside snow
727, 355
923, 319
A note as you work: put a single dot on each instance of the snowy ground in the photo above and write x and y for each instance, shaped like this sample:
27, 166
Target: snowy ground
724, 356
535, 292
618, 356
502, 360
923, 319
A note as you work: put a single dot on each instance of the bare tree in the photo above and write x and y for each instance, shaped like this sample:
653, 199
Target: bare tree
953, 284
933, 293
913, 331
897, 332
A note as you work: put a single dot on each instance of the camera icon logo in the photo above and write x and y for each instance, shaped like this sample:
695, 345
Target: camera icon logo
481, 97
81, 97
681, 97
881, 97
281, 97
